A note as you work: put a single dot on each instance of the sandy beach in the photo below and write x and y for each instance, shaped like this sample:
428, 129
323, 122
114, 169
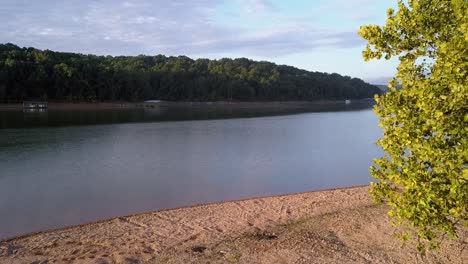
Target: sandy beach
334, 226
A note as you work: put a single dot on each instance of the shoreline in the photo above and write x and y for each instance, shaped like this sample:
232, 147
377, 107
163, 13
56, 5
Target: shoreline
74, 106
306, 227
8, 239
130, 105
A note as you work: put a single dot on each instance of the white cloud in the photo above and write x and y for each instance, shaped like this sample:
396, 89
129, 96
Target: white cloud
169, 27
143, 20
256, 6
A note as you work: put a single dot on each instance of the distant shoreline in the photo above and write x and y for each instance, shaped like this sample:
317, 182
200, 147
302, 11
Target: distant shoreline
233, 104
75, 106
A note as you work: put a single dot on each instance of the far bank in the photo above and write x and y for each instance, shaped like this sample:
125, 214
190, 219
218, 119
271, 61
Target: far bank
229, 104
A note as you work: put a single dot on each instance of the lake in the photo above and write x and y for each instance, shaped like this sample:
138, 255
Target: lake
71, 167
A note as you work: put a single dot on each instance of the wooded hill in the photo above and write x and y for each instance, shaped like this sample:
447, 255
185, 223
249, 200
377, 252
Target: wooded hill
27, 73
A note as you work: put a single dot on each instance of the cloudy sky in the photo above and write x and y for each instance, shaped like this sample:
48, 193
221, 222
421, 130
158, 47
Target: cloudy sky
317, 35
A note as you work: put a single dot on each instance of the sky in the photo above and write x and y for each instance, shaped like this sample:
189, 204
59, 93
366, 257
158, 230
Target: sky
316, 35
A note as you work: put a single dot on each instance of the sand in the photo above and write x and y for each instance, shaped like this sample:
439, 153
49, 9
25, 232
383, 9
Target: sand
334, 226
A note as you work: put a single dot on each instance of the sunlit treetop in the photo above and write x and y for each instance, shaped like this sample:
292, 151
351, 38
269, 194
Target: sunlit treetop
423, 176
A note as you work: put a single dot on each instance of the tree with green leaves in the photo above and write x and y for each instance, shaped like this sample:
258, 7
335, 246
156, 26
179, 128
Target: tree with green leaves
32, 73
423, 177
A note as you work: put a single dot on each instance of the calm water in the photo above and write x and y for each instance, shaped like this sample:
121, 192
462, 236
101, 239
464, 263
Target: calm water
52, 175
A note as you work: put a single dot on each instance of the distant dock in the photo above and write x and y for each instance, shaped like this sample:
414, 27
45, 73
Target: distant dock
35, 106
151, 103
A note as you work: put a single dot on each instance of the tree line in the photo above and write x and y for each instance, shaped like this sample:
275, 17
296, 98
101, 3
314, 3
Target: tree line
29, 73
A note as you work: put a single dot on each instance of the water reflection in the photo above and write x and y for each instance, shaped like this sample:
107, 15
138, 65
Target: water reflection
56, 176
171, 112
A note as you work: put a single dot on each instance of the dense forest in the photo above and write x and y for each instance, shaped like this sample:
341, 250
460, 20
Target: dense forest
29, 73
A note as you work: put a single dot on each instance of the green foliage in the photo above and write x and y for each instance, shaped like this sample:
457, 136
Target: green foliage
31, 73
424, 177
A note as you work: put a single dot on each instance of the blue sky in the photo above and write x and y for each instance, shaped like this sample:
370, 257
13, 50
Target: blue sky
310, 34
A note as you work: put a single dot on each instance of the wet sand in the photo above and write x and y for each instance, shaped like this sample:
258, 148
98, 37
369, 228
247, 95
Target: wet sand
334, 226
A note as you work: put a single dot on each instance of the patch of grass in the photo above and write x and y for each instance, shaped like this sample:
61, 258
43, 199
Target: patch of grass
233, 257
296, 224
265, 236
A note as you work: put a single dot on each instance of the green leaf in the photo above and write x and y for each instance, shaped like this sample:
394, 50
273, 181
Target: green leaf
424, 176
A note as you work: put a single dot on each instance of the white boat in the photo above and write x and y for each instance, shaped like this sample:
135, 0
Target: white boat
151, 103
